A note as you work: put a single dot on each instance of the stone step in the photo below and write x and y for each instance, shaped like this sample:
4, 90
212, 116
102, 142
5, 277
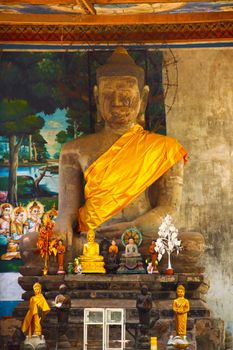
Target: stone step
117, 282
116, 294
162, 308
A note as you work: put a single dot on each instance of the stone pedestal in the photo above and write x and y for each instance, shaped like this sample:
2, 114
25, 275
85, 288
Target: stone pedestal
121, 291
131, 265
34, 343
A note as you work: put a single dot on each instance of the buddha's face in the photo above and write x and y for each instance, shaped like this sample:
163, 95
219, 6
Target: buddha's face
91, 236
119, 100
180, 292
131, 241
37, 289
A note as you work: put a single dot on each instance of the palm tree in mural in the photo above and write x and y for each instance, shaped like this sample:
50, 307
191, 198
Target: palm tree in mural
16, 121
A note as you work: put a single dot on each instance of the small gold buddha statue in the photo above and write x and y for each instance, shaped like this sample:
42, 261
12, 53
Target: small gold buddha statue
91, 260
181, 308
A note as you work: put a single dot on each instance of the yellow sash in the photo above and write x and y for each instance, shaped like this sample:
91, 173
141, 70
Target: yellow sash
136, 160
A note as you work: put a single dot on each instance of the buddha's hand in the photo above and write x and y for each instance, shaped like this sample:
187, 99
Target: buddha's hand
114, 230
64, 230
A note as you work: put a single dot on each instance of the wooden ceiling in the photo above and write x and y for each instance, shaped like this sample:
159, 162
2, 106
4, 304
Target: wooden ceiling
93, 22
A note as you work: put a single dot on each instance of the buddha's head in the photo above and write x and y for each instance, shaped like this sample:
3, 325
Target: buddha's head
91, 236
180, 291
131, 241
121, 96
37, 288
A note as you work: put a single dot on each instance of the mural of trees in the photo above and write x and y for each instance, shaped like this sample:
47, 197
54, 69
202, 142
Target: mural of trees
17, 120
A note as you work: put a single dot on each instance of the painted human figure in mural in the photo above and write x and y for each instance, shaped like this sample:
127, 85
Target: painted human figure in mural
5, 222
146, 168
19, 222
35, 212
18, 227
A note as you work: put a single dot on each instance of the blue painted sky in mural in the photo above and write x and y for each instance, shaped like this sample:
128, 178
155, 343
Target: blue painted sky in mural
203, 7
43, 9
53, 124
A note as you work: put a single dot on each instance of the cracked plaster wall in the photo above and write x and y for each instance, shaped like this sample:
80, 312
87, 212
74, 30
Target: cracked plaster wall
202, 120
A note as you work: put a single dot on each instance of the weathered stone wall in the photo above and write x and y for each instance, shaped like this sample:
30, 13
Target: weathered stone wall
202, 120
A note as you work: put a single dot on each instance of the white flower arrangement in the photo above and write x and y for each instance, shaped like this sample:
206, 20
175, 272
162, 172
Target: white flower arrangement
167, 241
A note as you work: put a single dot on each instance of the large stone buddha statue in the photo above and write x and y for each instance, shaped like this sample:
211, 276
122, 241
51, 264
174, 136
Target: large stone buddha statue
133, 177
112, 156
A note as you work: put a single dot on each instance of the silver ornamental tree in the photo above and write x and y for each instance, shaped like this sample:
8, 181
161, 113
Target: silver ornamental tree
167, 241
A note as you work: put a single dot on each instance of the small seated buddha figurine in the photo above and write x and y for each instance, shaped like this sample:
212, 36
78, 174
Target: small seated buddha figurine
91, 260
131, 248
181, 308
131, 260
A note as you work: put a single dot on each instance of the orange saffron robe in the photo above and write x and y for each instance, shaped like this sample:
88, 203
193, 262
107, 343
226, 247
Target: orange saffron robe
136, 160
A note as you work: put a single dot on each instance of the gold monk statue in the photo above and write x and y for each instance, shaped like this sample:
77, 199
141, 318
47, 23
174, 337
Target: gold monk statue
133, 177
181, 308
91, 260
38, 308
